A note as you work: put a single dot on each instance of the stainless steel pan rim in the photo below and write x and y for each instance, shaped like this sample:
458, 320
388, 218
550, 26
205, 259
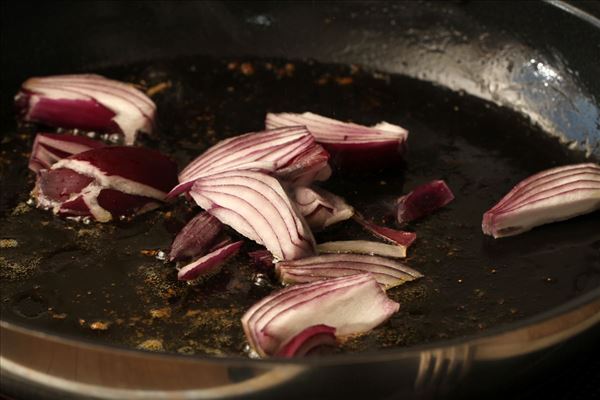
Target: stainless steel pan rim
435, 360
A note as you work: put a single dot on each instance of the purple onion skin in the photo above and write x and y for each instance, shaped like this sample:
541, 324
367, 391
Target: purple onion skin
139, 164
423, 200
196, 238
365, 156
308, 341
87, 115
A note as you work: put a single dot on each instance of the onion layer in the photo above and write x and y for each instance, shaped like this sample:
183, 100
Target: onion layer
208, 264
306, 168
262, 258
401, 238
106, 183
308, 341
363, 247
351, 145
88, 102
423, 200
388, 273
290, 150
49, 148
255, 205
553, 195
321, 208
351, 304
196, 238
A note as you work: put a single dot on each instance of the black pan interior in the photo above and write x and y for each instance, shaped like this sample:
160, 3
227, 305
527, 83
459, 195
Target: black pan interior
105, 282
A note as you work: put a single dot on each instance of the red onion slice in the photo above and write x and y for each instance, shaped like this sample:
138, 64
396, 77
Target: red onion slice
89, 102
290, 152
388, 273
196, 237
351, 145
208, 264
106, 183
48, 148
321, 208
352, 305
553, 195
363, 247
423, 200
307, 341
401, 238
255, 205
262, 258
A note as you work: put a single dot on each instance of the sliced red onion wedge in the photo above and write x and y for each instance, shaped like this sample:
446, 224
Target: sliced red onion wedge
262, 258
291, 150
388, 273
255, 205
363, 247
209, 264
401, 238
88, 102
553, 195
351, 145
48, 148
321, 208
308, 341
196, 238
106, 183
423, 200
351, 304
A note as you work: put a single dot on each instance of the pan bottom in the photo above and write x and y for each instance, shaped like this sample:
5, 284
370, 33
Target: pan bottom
106, 283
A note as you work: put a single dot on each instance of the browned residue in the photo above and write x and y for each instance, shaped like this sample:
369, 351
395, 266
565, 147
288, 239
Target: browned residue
8, 243
59, 316
159, 87
99, 326
323, 80
286, 71
247, 69
344, 80
164, 312
192, 313
151, 345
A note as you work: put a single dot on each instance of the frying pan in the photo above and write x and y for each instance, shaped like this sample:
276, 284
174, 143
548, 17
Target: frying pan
491, 93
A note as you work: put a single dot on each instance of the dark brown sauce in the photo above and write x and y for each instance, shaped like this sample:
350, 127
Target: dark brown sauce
104, 282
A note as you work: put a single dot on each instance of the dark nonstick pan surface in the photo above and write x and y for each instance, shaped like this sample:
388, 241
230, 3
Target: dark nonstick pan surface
106, 283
